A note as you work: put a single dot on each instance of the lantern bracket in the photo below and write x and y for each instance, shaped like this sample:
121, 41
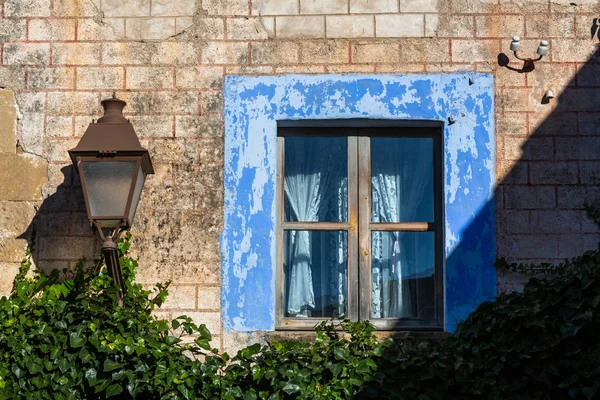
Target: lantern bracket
111, 257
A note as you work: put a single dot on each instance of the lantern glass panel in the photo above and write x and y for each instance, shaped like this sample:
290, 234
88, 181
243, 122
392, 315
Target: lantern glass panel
107, 184
137, 192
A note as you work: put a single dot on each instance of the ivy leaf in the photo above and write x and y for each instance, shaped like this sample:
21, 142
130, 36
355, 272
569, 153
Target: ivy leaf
110, 365
113, 390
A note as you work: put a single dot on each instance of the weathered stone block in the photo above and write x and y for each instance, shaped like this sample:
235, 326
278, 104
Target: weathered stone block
181, 297
323, 7
149, 28
570, 245
66, 248
57, 149
472, 6
196, 127
513, 221
206, 271
77, 8
8, 271
246, 28
59, 126
432, 22
171, 150
400, 25
31, 102
176, 53
154, 126
107, 29
557, 173
26, 53
8, 117
300, 27
52, 29
130, 8
76, 53
149, 77
279, 7
545, 26
12, 77
370, 51
373, 6
534, 148
211, 102
499, 25
212, 320
15, 216
275, 52
470, 51
574, 50
589, 172
51, 78
514, 124
209, 298
573, 197
70, 103
419, 6
173, 8
529, 197
30, 132
28, 175
555, 221
13, 29
95, 78
528, 247
30, 8
225, 53
350, 26
577, 148
425, 50
177, 102
117, 53
325, 52
226, 7
455, 26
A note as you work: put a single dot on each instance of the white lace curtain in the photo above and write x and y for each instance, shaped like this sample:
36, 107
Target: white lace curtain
315, 189
398, 180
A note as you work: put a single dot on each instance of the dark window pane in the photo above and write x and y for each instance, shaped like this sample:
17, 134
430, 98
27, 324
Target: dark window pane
403, 267
401, 179
316, 179
315, 273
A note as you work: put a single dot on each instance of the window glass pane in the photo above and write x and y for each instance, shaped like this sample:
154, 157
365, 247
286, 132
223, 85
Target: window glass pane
403, 267
315, 273
401, 179
316, 179
108, 184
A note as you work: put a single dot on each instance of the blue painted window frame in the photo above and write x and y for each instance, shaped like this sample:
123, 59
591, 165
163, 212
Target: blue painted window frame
253, 105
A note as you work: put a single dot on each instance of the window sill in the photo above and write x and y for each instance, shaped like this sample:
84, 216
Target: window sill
398, 336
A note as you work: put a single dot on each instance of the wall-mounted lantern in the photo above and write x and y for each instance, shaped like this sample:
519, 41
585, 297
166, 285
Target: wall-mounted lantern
112, 166
528, 63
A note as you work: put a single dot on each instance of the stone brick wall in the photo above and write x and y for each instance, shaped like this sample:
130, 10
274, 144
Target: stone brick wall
167, 59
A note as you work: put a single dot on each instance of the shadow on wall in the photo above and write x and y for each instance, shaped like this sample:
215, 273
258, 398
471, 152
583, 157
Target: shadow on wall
60, 231
556, 169
539, 201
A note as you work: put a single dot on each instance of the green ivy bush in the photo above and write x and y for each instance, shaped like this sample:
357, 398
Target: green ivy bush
64, 337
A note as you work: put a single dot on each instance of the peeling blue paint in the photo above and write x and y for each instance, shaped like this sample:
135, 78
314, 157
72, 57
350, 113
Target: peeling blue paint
252, 107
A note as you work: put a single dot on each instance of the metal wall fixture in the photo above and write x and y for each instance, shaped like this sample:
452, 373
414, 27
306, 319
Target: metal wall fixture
528, 63
112, 166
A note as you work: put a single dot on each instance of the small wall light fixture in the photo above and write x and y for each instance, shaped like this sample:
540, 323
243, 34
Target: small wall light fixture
528, 63
112, 166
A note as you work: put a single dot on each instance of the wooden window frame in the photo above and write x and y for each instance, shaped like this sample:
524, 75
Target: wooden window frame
359, 225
